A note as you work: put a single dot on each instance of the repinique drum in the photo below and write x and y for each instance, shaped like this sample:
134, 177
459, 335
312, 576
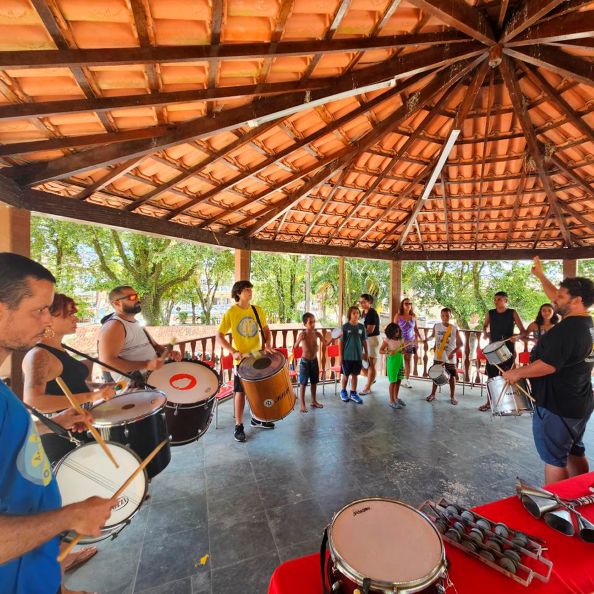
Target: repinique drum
438, 375
388, 546
87, 472
508, 399
267, 385
497, 353
190, 388
137, 420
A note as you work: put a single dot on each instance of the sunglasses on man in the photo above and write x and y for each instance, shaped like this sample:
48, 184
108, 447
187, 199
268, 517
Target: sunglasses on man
132, 297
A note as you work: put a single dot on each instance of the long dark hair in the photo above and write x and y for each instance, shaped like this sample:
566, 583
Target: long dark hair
393, 331
401, 310
540, 320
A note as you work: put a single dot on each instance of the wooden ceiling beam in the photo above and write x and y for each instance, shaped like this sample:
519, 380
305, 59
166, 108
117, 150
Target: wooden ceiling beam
502, 13
65, 57
571, 174
115, 173
461, 16
577, 25
517, 99
528, 13
517, 203
554, 59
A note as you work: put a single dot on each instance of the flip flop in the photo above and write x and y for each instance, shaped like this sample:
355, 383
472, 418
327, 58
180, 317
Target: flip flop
78, 558
484, 408
453, 401
430, 398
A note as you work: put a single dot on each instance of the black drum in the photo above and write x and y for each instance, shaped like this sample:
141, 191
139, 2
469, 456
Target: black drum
137, 420
191, 388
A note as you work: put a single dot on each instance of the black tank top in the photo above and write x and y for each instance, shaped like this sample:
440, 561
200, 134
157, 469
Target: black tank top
74, 373
501, 325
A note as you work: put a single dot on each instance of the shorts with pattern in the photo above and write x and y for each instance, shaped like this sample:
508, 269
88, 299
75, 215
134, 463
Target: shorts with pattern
309, 370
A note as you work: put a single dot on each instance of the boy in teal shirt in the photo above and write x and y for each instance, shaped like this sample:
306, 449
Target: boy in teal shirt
353, 346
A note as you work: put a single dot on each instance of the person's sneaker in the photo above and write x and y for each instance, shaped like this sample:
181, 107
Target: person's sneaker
239, 434
401, 402
355, 397
261, 424
344, 396
396, 405
407, 384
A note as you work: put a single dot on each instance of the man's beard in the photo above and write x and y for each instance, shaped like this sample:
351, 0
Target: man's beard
561, 310
133, 310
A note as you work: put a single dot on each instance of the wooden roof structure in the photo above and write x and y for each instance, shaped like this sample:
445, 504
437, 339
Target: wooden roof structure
306, 126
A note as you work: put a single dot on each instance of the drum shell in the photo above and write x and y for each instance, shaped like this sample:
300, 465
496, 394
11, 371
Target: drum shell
350, 579
513, 401
271, 399
438, 376
188, 422
497, 353
143, 436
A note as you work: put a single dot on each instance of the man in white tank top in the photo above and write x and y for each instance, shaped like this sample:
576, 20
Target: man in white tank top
123, 343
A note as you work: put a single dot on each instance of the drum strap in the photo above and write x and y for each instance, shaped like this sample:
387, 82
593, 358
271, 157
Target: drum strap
259, 325
444, 341
52, 425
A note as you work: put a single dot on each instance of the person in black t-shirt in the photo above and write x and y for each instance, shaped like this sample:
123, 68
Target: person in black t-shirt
500, 324
371, 322
561, 378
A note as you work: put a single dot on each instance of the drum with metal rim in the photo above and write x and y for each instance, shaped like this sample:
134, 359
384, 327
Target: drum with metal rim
387, 545
267, 385
438, 375
87, 472
137, 420
497, 352
507, 399
191, 388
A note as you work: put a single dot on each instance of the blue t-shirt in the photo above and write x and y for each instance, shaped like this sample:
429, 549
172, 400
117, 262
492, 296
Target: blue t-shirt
27, 487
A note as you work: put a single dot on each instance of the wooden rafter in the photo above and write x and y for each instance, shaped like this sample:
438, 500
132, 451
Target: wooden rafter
446, 214
216, 23
529, 12
517, 202
107, 179
502, 13
65, 57
458, 14
578, 25
571, 174
555, 60
517, 98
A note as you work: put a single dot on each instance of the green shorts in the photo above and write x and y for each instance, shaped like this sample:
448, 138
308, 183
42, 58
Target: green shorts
395, 367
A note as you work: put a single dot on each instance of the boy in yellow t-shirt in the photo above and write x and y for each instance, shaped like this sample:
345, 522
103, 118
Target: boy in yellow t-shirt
241, 321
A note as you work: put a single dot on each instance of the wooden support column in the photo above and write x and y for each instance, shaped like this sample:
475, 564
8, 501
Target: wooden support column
395, 287
340, 290
243, 259
15, 236
569, 268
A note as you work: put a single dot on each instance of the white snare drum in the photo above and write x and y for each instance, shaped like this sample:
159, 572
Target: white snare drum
497, 353
87, 472
336, 333
388, 544
438, 375
506, 399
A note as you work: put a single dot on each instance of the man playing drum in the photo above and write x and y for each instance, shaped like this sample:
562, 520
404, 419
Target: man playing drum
560, 375
499, 325
246, 323
32, 515
123, 343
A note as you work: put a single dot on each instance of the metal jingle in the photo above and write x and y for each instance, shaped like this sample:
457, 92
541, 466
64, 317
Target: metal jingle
493, 544
467, 516
484, 524
513, 555
486, 554
508, 564
501, 530
453, 535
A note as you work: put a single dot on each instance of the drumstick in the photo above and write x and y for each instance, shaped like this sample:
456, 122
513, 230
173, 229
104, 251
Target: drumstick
124, 486
518, 386
90, 427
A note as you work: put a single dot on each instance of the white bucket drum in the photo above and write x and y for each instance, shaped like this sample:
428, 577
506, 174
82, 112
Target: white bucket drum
389, 545
497, 352
87, 472
438, 375
191, 388
508, 399
336, 333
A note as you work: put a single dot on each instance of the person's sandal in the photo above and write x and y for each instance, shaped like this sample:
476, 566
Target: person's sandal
430, 398
453, 401
485, 407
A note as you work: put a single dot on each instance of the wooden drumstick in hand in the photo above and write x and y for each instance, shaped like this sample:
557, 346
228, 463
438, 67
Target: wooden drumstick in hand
517, 385
63, 554
90, 427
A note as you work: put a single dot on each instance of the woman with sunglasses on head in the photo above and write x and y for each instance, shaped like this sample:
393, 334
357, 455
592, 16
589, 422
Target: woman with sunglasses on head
407, 320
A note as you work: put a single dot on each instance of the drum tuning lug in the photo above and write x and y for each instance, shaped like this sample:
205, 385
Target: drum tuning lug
337, 587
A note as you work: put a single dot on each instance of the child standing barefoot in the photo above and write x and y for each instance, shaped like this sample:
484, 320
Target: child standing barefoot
392, 347
308, 364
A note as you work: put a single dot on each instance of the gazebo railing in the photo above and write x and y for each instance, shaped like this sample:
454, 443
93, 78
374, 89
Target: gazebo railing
207, 349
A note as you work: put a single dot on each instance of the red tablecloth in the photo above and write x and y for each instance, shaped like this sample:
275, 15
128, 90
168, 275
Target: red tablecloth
573, 559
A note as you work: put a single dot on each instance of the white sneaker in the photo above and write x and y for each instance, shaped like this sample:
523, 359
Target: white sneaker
407, 384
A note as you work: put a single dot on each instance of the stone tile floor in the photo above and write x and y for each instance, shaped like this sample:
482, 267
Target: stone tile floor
251, 506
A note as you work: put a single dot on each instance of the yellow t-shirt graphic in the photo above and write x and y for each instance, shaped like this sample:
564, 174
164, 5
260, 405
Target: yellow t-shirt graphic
244, 328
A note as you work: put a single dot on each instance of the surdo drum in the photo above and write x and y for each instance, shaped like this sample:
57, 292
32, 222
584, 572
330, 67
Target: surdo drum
438, 375
385, 546
506, 399
267, 385
191, 388
87, 472
136, 419
497, 352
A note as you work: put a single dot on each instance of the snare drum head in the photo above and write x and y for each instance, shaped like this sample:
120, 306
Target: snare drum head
87, 472
260, 367
128, 408
436, 370
495, 346
186, 382
336, 333
386, 541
